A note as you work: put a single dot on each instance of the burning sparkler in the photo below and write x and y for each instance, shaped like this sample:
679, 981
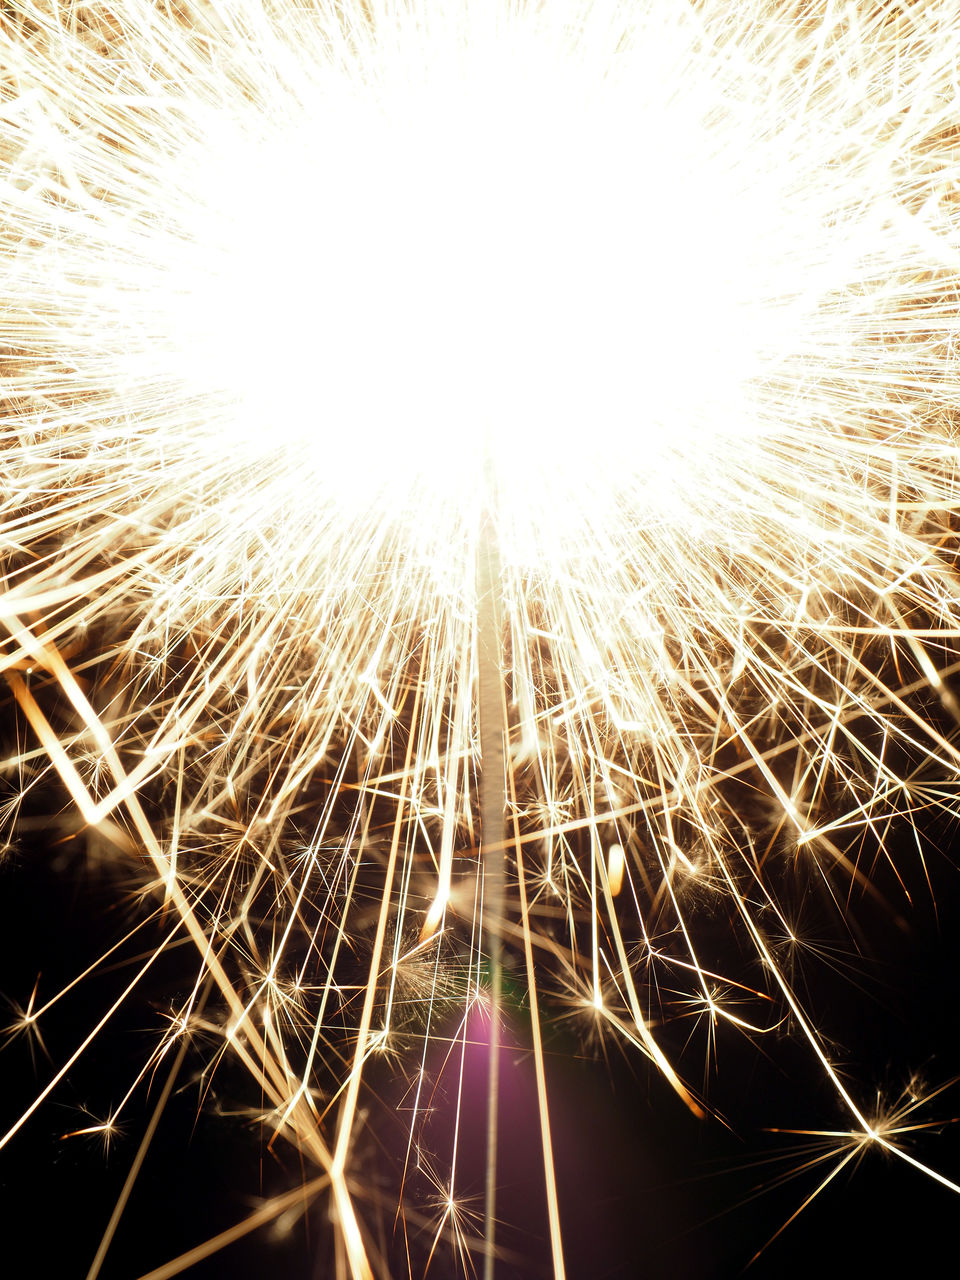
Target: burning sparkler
323, 325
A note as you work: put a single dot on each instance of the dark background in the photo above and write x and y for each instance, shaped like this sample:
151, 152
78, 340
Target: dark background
646, 1189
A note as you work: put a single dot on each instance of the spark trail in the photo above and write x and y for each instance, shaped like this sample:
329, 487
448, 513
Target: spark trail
277, 283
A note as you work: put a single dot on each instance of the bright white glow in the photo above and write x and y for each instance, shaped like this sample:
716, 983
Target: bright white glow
483, 248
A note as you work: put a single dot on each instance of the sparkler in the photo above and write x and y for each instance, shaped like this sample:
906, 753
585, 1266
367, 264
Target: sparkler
280, 283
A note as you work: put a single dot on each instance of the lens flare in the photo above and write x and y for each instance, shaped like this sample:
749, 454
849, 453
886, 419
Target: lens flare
360, 357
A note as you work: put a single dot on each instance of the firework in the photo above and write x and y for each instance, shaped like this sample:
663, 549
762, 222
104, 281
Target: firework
362, 358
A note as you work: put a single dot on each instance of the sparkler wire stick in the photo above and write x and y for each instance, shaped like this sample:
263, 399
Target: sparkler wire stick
493, 803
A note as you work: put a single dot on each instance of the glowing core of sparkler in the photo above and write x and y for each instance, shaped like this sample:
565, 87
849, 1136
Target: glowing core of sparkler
419, 273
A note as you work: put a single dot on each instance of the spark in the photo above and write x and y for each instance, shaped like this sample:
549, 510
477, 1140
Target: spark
304, 308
